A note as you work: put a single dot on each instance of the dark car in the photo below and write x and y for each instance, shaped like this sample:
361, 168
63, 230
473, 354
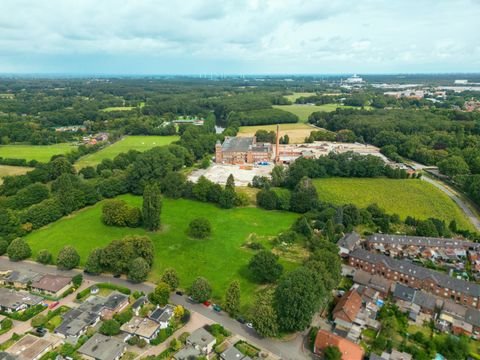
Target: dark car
117, 275
217, 308
40, 331
241, 320
179, 293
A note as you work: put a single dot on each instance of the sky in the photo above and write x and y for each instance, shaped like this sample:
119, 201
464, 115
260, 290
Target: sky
239, 36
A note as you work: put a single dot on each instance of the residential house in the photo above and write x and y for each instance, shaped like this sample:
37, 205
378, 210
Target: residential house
53, 285
349, 242
114, 304
472, 316
101, 347
19, 279
187, 353
12, 300
347, 309
201, 340
349, 350
405, 272
142, 327
138, 304
163, 315
460, 327
232, 353
31, 347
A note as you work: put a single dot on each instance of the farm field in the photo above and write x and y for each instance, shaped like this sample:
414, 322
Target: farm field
41, 153
296, 132
403, 197
140, 143
304, 111
7, 170
118, 108
220, 259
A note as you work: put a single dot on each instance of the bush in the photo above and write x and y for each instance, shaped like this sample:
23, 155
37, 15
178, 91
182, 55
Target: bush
138, 270
44, 257
201, 290
77, 280
170, 277
68, 258
119, 213
110, 328
264, 267
18, 250
199, 228
3, 247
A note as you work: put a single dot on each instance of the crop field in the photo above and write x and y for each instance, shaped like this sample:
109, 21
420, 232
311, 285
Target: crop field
304, 111
41, 153
140, 143
220, 259
118, 108
296, 132
403, 197
7, 170
293, 97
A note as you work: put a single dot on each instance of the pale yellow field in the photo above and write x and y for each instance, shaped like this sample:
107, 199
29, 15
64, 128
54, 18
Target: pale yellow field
296, 132
7, 170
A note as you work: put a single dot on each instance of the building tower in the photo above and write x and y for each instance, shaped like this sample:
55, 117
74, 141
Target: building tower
218, 152
277, 146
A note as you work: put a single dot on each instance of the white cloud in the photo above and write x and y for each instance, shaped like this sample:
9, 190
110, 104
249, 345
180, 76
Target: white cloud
252, 35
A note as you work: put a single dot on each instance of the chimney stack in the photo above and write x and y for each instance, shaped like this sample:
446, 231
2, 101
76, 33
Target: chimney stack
277, 146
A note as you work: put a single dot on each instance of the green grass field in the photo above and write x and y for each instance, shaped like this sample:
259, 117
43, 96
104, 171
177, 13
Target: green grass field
293, 97
403, 197
140, 143
220, 258
118, 108
304, 111
6, 170
41, 153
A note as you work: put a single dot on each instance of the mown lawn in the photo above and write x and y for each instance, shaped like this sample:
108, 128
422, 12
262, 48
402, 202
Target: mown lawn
220, 258
404, 197
304, 111
41, 153
140, 143
6, 170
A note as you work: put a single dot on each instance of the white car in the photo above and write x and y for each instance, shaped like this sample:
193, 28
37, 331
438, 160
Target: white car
249, 325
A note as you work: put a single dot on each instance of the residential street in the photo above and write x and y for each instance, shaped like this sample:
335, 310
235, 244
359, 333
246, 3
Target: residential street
287, 350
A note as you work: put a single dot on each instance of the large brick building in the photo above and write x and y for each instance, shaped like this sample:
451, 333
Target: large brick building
242, 150
402, 271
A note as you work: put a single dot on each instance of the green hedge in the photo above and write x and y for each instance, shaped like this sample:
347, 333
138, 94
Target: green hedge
26, 314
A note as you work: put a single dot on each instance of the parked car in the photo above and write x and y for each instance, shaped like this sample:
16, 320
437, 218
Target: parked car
52, 305
207, 303
241, 320
249, 325
40, 331
179, 293
217, 308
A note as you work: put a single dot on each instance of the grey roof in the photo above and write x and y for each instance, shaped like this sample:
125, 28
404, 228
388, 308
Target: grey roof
243, 144
375, 282
454, 309
406, 240
12, 299
200, 337
114, 300
349, 240
232, 353
374, 356
142, 300
6, 356
103, 347
23, 276
426, 300
407, 268
162, 314
187, 353
403, 292
472, 316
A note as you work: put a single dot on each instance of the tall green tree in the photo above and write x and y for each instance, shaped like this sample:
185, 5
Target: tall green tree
152, 207
170, 277
68, 258
18, 250
201, 289
264, 267
264, 315
232, 298
228, 195
332, 353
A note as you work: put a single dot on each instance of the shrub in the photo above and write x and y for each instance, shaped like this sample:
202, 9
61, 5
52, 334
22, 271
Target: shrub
199, 228
170, 277
110, 328
68, 258
18, 250
138, 270
44, 257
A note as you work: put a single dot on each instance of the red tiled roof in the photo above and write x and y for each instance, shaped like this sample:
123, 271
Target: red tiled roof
349, 350
348, 306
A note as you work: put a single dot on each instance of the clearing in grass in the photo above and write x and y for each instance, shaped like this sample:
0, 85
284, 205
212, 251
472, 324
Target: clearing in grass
140, 143
296, 132
221, 258
416, 198
42, 153
7, 170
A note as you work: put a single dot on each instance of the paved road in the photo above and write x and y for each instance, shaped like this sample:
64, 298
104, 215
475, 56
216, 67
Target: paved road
287, 350
458, 200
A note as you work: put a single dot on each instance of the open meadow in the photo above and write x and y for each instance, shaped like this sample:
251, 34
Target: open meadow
41, 153
294, 96
7, 170
140, 143
296, 132
404, 197
304, 111
220, 259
